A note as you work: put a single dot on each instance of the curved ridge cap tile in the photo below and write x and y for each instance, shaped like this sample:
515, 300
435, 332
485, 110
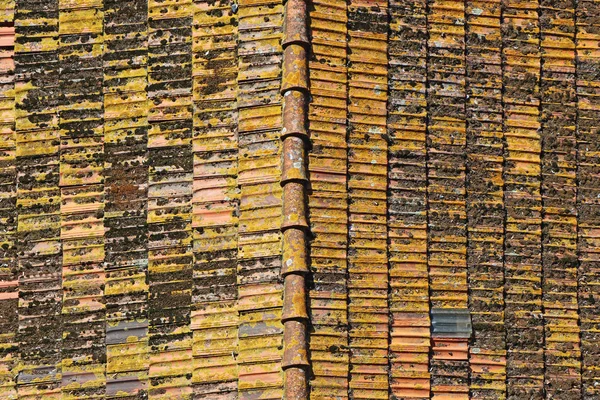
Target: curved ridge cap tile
294, 115
294, 165
295, 71
295, 353
295, 27
293, 387
294, 252
294, 207
294, 298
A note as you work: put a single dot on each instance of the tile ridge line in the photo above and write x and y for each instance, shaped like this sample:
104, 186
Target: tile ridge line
294, 181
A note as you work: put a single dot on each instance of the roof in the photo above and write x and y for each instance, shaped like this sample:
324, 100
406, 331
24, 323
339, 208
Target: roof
261, 199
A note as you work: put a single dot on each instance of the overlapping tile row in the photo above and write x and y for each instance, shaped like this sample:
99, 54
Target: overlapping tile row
327, 161
562, 369
81, 129
214, 321
9, 294
588, 191
367, 196
260, 289
485, 203
126, 198
170, 181
522, 180
39, 251
446, 191
407, 201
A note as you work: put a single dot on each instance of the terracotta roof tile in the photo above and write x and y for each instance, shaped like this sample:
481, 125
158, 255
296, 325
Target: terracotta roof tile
265, 199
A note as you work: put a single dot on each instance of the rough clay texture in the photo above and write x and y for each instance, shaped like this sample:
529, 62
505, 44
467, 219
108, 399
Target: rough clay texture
246, 199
